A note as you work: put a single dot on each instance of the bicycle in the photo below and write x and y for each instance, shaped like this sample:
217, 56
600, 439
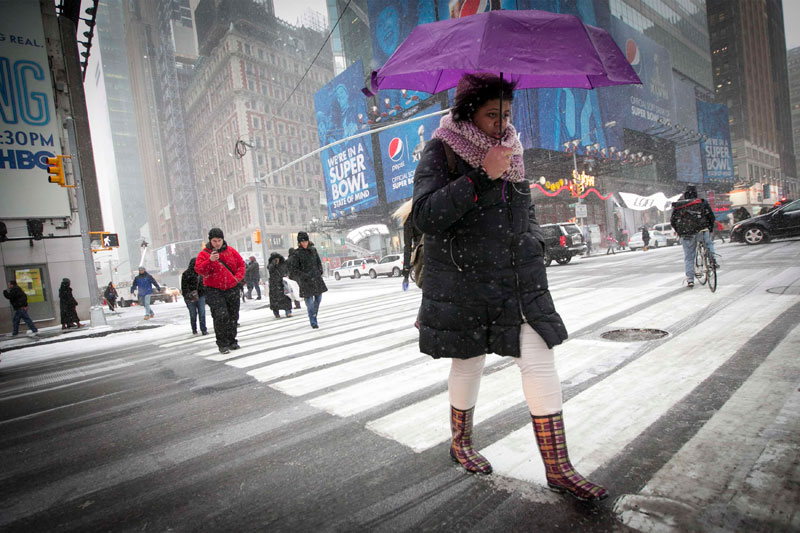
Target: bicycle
705, 268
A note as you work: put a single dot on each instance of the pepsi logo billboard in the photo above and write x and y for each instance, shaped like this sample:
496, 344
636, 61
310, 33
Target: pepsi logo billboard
395, 149
401, 149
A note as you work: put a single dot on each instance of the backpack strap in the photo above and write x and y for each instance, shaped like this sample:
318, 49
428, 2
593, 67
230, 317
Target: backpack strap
451, 158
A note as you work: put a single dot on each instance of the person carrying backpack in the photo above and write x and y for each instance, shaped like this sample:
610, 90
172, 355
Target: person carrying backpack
693, 219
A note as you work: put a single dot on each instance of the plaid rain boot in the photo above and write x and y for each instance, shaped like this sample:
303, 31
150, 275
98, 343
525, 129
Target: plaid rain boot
561, 475
461, 450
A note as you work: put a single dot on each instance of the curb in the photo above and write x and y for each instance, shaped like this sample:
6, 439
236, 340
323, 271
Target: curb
60, 337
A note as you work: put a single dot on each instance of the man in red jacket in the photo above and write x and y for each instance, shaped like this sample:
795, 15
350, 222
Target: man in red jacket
223, 270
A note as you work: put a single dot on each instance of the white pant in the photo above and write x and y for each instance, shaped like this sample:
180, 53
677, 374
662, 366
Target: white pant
540, 382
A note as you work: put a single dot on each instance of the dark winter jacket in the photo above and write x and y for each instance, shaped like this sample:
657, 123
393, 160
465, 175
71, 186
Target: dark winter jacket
483, 262
214, 273
68, 304
192, 281
110, 294
691, 216
305, 267
251, 274
17, 297
277, 270
645, 236
144, 283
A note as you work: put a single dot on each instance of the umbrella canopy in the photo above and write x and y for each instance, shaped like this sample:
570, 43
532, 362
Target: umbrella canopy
535, 49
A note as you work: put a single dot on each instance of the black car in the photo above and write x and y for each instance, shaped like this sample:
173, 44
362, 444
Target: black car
562, 242
782, 222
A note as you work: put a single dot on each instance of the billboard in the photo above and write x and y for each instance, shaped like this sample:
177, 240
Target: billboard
29, 132
715, 148
401, 149
639, 107
391, 22
567, 114
350, 183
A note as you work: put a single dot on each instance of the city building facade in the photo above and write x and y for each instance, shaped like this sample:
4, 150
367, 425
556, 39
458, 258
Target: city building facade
162, 51
251, 110
750, 78
793, 60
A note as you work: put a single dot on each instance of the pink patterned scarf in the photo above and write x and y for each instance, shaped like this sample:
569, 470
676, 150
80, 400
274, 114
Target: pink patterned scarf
471, 144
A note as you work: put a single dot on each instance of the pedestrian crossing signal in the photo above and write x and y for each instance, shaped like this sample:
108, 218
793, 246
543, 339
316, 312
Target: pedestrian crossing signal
257, 236
110, 240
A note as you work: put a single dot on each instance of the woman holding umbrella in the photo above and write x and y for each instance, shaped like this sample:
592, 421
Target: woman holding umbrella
485, 286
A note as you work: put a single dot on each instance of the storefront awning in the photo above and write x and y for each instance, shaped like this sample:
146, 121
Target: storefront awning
641, 203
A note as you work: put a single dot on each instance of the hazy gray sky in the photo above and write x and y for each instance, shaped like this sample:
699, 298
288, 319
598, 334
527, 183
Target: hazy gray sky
791, 23
291, 10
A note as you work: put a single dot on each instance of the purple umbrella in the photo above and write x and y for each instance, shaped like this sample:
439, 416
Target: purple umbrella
535, 49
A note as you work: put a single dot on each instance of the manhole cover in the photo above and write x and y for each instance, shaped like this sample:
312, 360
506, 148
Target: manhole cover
791, 290
633, 334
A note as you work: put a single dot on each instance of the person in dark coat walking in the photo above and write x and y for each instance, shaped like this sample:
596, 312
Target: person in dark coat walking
288, 258
191, 281
252, 277
645, 238
69, 315
222, 269
305, 267
277, 298
485, 285
19, 303
110, 294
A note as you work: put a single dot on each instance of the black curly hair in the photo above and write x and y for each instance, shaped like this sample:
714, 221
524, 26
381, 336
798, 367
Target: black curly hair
474, 90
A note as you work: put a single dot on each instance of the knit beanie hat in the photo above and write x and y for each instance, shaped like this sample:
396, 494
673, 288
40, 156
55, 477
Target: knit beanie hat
215, 233
302, 236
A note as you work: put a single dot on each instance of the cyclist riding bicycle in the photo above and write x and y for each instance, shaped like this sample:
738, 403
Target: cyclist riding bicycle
691, 216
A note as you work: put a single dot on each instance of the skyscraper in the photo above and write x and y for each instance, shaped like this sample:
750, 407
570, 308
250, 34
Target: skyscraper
750, 76
794, 100
115, 140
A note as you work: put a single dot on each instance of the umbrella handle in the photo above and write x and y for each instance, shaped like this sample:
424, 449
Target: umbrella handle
500, 141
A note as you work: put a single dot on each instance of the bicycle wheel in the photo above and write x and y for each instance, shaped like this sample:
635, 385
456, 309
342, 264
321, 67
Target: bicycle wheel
699, 266
711, 271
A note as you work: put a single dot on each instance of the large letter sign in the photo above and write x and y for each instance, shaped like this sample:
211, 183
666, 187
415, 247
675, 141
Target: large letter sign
28, 132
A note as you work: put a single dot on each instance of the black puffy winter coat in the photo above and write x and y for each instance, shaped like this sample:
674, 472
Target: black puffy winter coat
305, 267
277, 270
484, 273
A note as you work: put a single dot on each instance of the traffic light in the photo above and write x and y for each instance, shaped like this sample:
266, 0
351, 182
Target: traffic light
55, 167
257, 236
35, 229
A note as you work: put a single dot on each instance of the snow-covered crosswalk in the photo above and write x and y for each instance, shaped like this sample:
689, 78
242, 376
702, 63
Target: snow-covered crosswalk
364, 362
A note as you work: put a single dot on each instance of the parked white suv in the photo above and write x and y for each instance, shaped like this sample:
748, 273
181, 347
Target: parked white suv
669, 233
389, 265
354, 268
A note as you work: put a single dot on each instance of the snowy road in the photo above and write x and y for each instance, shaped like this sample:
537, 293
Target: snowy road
346, 427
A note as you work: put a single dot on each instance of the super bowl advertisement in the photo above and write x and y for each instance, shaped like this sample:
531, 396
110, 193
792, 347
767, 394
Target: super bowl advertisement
401, 149
715, 148
340, 107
